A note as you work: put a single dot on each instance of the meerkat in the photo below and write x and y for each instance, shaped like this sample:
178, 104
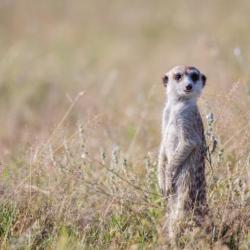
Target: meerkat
181, 161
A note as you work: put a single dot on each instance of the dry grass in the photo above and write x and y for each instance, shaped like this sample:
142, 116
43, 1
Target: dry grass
80, 108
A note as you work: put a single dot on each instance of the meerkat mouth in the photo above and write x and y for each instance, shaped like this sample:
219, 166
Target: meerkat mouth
187, 91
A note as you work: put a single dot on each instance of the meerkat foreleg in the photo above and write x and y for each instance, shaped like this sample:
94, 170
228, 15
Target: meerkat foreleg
186, 145
183, 150
161, 168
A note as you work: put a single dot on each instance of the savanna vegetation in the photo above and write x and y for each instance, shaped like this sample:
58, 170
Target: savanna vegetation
80, 108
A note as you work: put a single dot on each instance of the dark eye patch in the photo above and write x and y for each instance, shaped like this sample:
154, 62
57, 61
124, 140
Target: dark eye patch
194, 76
178, 76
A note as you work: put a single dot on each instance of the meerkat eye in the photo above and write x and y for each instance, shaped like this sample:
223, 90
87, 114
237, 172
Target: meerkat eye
194, 76
178, 76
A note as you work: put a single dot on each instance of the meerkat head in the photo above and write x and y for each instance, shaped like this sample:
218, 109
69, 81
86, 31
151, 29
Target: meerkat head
184, 82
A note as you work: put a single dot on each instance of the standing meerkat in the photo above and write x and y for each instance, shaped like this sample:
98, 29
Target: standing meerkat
181, 162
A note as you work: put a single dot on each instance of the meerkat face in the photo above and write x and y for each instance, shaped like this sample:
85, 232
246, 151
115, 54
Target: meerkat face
184, 81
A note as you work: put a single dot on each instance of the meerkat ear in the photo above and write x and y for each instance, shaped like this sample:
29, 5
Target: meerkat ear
204, 79
165, 80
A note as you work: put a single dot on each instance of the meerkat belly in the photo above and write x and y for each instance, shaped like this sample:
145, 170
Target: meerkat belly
194, 165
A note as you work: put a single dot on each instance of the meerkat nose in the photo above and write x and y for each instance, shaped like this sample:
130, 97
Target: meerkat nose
189, 87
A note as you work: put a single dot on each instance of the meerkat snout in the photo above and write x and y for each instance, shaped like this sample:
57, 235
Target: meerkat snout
189, 87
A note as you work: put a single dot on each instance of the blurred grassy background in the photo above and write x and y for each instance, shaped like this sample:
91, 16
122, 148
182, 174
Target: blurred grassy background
116, 52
